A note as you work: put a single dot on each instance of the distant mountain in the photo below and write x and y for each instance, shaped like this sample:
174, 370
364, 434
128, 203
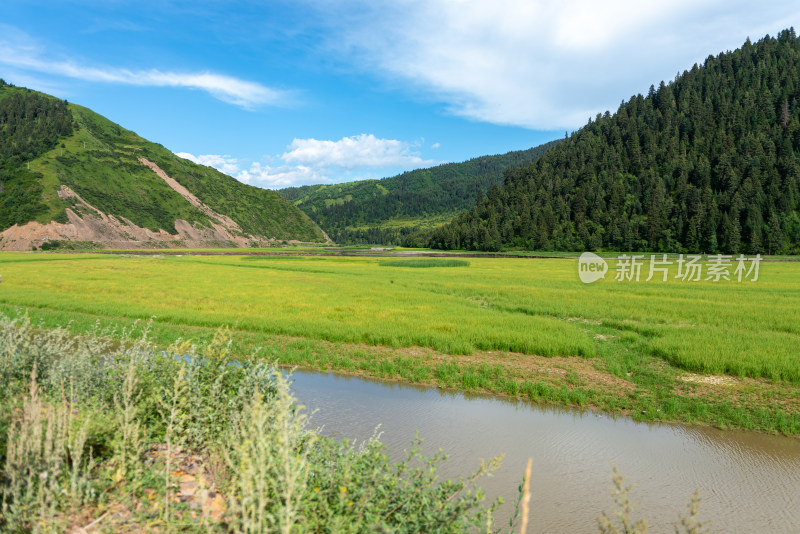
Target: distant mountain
68, 174
707, 163
383, 211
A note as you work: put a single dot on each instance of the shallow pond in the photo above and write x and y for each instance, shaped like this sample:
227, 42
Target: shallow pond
748, 482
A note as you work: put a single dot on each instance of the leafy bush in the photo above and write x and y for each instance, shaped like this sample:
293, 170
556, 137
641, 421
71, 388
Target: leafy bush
354, 489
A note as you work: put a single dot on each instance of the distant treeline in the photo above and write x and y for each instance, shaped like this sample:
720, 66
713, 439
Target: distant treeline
375, 235
350, 212
707, 163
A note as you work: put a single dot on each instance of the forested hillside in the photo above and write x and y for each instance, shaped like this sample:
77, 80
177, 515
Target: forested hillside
383, 211
707, 163
30, 124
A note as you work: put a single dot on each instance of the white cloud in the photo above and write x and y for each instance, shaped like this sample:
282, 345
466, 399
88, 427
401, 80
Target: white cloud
283, 176
19, 51
436, 145
544, 64
226, 164
357, 152
311, 161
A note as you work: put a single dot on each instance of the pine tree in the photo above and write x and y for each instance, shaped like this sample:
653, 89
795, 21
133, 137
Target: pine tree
775, 234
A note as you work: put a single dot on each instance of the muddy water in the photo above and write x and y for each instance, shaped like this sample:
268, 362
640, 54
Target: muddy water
748, 482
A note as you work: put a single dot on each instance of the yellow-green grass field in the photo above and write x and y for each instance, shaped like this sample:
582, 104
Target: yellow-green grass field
724, 353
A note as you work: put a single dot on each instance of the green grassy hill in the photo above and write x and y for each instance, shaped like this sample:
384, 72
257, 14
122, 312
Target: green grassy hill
46, 143
383, 211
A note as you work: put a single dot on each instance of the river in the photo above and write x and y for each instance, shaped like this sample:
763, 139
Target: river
748, 482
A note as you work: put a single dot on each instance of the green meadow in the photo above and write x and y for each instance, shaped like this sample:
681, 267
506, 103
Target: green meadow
723, 353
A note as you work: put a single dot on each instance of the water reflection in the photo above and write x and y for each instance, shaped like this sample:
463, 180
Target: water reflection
748, 481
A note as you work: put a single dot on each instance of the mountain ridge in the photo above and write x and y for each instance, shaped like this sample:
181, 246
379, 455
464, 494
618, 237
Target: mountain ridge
69, 174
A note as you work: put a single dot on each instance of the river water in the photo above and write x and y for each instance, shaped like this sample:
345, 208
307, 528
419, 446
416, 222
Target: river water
748, 482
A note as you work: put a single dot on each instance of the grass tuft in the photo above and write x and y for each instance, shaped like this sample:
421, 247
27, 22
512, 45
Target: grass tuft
423, 263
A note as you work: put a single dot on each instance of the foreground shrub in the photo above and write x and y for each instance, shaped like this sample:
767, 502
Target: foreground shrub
360, 490
94, 422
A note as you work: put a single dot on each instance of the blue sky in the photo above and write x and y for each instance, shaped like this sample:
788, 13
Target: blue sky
280, 93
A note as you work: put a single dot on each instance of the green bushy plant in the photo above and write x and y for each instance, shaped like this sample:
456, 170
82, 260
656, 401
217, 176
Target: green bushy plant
97, 406
361, 490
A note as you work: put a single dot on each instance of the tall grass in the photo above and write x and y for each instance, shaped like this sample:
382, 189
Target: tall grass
44, 462
531, 306
68, 457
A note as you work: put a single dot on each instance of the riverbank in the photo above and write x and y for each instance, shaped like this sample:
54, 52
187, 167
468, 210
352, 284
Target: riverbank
654, 391
745, 479
107, 432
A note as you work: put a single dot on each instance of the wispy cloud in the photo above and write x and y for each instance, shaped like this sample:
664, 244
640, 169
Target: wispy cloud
537, 63
22, 53
312, 161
